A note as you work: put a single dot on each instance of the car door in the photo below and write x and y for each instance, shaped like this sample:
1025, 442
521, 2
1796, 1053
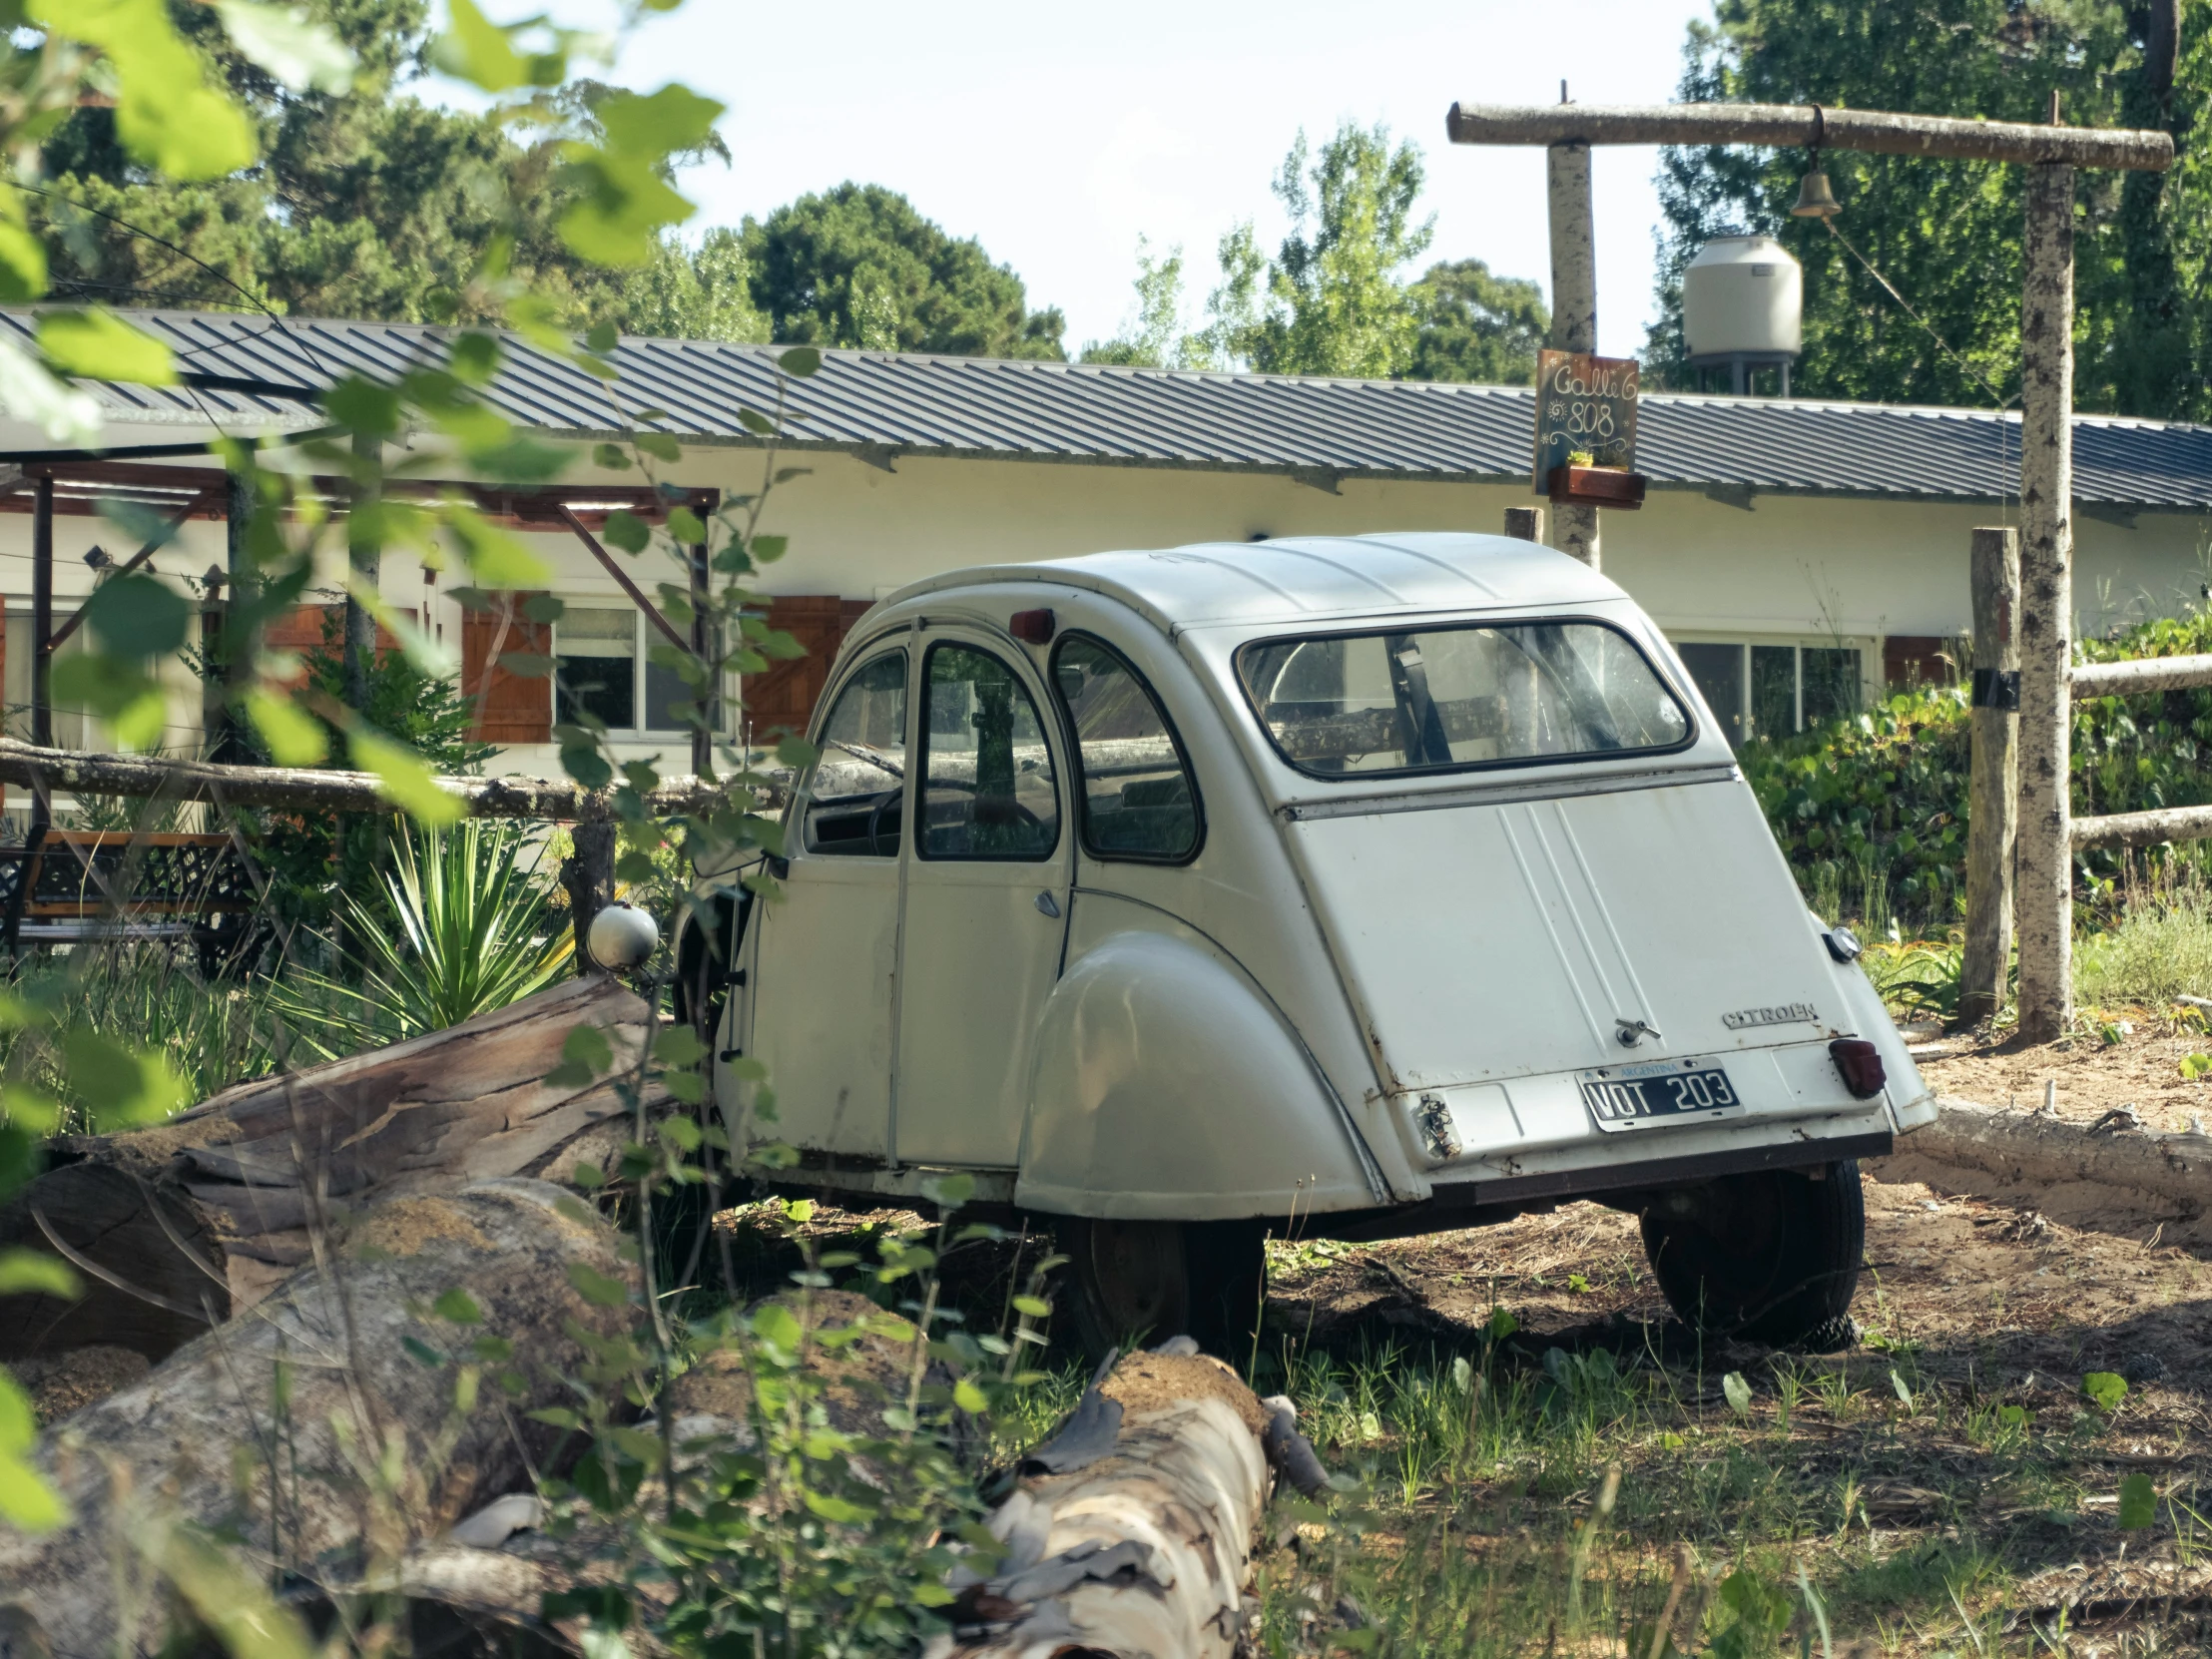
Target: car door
987, 873
824, 1017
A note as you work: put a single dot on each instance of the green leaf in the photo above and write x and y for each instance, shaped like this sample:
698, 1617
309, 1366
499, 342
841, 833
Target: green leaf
949, 1192
596, 1287
22, 264
299, 52
776, 1326
624, 529
756, 422
29, 390
969, 1399
422, 1353
495, 558
405, 778
475, 50
768, 549
545, 607
96, 345
2106, 1389
2012, 1417
294, 738
659, 445
24, 1271
474, 357
602, 339
684, 526
679, 1045
612, 456
167, 114
1904, 1393
2138, 1503
837, 1509
134, 707
1738, 1393
119, 1087
31, 1108
589, 1047
1035, 1307
1503, 1324
460, 1307
799, 361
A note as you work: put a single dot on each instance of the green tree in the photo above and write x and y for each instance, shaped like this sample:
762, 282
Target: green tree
1947, 233
1478, 326
1155, 339
859, 266
702, 292
1331, 301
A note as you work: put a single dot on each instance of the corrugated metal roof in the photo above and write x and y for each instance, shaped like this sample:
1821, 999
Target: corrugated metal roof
886, 404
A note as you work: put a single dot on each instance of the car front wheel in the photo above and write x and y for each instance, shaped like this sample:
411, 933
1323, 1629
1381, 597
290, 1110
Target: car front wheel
1142, 1282
1769, 1257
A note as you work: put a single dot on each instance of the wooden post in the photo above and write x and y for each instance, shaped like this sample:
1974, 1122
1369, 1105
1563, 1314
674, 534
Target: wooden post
1525, 523
1993, 793
1573, 309
42, 612
365, 554
2046, 857
242, 591
705, 648
589, 878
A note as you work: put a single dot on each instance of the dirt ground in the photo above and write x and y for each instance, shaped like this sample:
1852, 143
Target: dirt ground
2143, 1069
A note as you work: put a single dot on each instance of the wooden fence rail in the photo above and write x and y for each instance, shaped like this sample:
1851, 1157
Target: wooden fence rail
2142, 674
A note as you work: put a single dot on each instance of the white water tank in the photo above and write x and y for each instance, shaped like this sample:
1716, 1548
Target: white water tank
1743, 298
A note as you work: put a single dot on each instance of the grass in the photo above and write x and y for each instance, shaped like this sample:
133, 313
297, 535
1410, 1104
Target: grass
2160, 948
1509, 1496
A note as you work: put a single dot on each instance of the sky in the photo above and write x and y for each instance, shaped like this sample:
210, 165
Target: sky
1055, 135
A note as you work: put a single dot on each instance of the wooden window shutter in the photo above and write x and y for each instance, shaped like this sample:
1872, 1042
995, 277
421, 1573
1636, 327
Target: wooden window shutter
508, 707
1916, 660
781, 697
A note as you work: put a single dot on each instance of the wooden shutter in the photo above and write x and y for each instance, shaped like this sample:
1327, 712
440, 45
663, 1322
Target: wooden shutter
1916, 660
508, 707
781, 697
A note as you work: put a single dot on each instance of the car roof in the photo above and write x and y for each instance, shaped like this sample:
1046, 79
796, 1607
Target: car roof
1297, 578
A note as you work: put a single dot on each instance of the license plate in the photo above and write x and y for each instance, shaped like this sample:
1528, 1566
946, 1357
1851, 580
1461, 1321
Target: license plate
1658, 1091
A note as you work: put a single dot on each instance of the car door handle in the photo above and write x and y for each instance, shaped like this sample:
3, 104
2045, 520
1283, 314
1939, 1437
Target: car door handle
1047, 905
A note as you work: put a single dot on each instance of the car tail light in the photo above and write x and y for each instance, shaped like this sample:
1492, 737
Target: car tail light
1031, 627
1861, 1063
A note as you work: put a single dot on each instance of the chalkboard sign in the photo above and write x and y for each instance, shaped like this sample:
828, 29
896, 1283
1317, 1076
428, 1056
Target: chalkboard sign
1584, 402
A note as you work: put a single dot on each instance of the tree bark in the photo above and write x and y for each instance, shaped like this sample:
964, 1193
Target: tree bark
1993, 788
1574, 529
2141, 674
2170, 823
2044, 862
1802, 126
297, 789
273, 1426
176, 1228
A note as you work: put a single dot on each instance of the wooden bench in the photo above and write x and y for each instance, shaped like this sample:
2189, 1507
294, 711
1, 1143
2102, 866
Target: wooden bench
72, 886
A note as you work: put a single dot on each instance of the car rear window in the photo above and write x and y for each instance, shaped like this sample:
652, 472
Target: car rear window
1430, 699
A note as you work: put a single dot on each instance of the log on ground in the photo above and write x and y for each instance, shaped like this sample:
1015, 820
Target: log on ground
183, 1226
267, 1429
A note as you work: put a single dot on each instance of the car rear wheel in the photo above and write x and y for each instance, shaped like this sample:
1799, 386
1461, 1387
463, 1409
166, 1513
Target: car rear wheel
1132, 1282
1769, 1257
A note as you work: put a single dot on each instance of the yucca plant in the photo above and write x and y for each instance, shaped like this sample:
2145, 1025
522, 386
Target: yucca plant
475, 931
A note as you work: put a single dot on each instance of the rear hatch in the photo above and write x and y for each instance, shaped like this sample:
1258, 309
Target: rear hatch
1489, 939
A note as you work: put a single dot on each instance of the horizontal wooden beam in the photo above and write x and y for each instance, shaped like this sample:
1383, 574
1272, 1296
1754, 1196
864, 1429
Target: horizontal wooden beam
2170, 823
1802, 126
295, 789
2141, 674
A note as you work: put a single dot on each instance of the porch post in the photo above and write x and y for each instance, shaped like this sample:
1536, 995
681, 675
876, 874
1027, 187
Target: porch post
42, 612
1573, 309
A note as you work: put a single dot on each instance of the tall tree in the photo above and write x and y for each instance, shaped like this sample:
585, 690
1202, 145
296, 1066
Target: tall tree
1478, 326
1331, 301
859, 266
1154, 337
1947, 233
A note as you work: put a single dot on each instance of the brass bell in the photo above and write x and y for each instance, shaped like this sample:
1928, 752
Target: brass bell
1815, 200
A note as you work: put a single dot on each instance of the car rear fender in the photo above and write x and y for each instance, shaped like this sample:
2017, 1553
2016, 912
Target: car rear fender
1165, 1087
1912, 1101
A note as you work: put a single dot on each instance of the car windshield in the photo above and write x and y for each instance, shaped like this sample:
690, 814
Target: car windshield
1431, 698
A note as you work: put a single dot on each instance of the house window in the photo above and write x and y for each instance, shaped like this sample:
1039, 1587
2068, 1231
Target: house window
603, 667
1773, 691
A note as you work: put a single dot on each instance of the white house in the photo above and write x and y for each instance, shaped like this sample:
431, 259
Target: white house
1803, 553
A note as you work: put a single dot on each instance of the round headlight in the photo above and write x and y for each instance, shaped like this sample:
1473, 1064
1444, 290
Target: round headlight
622, 935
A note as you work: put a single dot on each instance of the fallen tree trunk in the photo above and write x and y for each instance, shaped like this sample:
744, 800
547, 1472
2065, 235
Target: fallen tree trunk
310, 1429
2115, 1176
183, 1226
1130, 1535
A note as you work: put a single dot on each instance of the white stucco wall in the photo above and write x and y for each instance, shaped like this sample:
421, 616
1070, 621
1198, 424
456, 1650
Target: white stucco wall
1791, 569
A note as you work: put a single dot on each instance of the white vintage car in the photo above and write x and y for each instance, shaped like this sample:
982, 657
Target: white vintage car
1349, 887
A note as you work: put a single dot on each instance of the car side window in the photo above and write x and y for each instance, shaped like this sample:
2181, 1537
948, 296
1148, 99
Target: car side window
858, 794
989, 790
1137, 798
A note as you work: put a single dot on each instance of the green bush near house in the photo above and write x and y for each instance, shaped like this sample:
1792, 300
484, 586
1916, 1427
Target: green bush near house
1871, 811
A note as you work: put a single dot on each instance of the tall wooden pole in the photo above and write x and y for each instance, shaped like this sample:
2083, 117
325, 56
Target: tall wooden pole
1573, 309
364, 552
1994, 791
42, 611
2045, 857
243, 594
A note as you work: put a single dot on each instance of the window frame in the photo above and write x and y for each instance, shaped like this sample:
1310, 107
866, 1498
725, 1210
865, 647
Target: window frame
643, 637
1371, 629
917, 705
803, 788
1077, 774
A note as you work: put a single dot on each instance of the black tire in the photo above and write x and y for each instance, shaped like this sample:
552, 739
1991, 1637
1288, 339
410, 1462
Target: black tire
1131, 1282
1769, 1257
